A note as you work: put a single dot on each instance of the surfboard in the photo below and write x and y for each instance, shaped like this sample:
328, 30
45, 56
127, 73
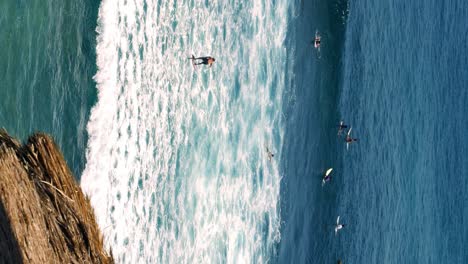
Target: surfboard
326, 174
193, 61
337, 227
349, 133
317, 37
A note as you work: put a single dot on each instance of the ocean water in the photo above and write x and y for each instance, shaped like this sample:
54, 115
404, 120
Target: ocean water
47, 61
405, 85
401, 189
176, 165
174, 157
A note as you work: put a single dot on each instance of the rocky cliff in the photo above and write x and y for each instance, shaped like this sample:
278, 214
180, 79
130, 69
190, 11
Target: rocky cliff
44, 216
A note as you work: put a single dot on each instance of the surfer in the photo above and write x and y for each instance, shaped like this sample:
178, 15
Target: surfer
338, 225
341, 127
270, 154
204, 60
349, 139
327, 176
317, 42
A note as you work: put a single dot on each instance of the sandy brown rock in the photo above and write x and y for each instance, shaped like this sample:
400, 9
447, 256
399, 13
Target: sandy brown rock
44, 216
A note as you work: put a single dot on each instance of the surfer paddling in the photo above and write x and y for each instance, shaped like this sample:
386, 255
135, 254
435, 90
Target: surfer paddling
317, 40
327, 176
338, 225
349, 139
202, 60
341, 127
269, 154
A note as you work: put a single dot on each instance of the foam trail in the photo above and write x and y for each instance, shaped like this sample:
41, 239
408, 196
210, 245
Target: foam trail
176, 164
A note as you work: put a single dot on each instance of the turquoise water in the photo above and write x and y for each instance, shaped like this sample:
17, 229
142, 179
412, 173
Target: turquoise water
177, 153
174, 157
47, 52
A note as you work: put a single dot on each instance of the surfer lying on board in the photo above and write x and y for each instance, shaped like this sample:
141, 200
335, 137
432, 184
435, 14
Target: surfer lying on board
204, 60
270, 154
317, 42
327, 176
349, 139
338, 225
341, 127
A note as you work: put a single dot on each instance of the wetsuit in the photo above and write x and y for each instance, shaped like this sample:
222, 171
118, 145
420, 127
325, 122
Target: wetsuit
204, 60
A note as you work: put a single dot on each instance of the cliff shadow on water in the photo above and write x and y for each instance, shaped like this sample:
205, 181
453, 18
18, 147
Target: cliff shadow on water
312, 94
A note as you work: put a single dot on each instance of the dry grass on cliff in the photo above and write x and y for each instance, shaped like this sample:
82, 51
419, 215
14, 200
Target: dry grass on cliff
43, 208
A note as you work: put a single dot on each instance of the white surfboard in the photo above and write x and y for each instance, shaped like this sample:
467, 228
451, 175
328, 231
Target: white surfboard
317, 37
193, 61
349, 133
338, 226
326, 174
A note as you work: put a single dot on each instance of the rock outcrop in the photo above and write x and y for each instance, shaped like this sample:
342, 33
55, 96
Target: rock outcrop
44, 216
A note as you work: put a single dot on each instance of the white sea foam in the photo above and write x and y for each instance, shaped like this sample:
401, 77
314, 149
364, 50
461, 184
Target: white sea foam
176, 164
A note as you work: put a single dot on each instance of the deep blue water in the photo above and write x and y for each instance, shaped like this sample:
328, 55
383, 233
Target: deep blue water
397, 72
311, 145
402, 85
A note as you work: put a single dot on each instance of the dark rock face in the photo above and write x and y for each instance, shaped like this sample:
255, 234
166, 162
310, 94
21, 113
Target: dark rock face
44, 216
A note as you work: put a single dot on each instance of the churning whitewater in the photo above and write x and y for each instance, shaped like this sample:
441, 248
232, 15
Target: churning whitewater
176, 164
